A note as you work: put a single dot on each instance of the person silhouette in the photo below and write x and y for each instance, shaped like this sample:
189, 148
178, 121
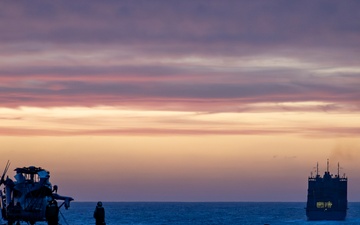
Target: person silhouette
52, 213
99, 214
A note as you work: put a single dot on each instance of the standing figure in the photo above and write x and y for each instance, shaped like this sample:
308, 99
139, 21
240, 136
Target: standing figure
99, 214
52, 213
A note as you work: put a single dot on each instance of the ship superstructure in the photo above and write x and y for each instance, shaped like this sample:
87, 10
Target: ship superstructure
327, 196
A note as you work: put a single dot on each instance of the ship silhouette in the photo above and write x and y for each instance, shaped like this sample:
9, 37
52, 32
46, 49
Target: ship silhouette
327, 196
28, 197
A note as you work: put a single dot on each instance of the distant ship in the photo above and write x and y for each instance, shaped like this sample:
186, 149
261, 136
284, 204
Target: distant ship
327, 196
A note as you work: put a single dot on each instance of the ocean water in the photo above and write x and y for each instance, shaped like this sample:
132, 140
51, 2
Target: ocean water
196, 213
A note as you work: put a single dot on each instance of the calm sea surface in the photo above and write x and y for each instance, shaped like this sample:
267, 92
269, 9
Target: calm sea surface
150, 213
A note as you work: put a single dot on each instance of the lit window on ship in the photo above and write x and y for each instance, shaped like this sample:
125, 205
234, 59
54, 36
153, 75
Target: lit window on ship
322, 205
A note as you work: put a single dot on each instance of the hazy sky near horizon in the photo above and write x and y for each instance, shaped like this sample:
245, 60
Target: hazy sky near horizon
181, 100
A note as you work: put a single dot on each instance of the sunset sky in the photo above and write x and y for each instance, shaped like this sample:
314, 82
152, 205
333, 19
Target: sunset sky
181, 100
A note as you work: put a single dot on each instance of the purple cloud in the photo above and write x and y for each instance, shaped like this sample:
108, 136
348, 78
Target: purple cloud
230, 51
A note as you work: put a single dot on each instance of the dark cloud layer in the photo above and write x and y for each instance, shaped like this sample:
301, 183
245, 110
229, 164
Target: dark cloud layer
116, 52
197, 22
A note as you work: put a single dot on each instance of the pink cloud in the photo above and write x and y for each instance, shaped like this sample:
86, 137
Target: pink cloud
319, 132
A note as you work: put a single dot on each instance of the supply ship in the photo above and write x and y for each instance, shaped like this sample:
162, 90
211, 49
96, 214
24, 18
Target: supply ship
30, 197
327, 196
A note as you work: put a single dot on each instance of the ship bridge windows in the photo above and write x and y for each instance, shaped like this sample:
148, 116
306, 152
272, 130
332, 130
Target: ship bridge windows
322, 205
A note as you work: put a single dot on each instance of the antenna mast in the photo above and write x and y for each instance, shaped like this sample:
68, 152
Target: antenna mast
327, 165
317, 168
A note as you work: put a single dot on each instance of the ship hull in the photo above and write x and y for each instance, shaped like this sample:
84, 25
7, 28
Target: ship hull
326, 215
